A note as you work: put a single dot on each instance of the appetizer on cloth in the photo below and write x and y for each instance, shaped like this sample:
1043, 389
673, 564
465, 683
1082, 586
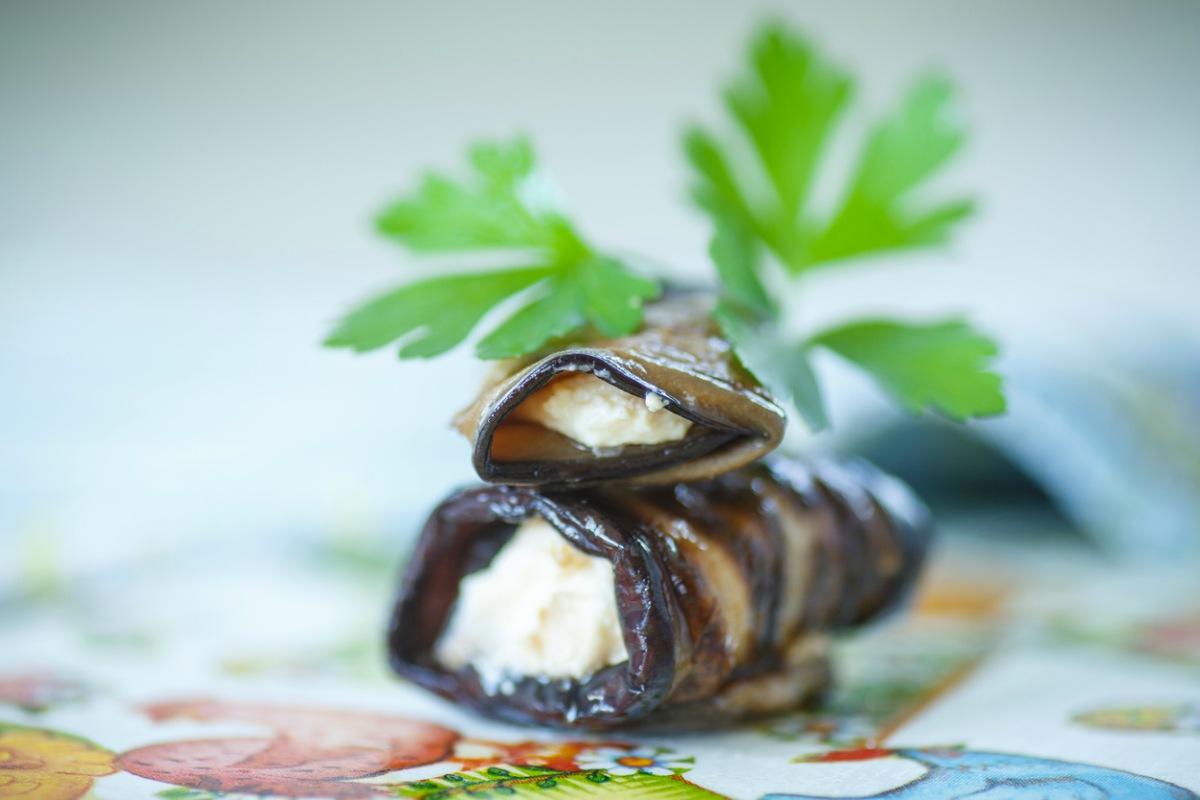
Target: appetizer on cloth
691, 604
638, 561
668, 403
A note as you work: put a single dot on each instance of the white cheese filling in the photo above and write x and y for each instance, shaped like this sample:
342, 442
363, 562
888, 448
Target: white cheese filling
541, 608
597, 414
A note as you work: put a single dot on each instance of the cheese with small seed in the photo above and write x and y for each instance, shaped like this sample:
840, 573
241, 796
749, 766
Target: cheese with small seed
597, 414
541, 608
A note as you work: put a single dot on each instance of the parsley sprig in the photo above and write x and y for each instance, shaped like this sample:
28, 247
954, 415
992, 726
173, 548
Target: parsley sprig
507, 205
757, 189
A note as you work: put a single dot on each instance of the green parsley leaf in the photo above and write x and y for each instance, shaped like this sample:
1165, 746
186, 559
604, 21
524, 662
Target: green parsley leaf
505, 203
714, 188
787, 106
902, 152
613, 296
600, 290
747, 316
442, 311
555, 314
782, 367
735, 254
757, 188
941, 366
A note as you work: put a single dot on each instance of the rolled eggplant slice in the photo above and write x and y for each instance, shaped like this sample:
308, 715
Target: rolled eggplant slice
721, 594
670, 403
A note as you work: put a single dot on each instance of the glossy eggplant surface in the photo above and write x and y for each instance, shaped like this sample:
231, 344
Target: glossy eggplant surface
726, 589
677, 364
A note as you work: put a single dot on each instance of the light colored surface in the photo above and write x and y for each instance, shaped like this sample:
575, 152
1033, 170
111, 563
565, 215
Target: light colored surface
1036, 653
185, 196
186, 189
597, 414
541, 608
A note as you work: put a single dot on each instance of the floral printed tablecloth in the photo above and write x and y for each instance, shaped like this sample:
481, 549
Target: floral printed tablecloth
1024, 672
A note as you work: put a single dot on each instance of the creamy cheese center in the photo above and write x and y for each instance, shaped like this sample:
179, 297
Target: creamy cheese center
541, 608
597, 414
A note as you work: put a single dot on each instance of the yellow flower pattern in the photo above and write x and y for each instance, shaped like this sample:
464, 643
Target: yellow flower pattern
37, 764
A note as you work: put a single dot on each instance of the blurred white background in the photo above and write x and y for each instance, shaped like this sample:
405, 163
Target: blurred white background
186, 192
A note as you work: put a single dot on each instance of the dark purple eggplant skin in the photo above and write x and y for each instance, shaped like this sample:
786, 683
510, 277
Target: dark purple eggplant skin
679, 355
862, 534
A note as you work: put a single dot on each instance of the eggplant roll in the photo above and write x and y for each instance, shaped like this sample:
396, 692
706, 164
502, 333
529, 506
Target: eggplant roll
670, 403
690, 604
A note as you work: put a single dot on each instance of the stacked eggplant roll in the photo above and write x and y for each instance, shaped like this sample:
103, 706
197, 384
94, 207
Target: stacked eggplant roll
636, 555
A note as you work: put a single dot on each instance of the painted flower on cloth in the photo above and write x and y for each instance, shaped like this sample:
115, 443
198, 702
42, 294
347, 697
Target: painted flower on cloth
47, 765
39, 692
620, 762
1184, 718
